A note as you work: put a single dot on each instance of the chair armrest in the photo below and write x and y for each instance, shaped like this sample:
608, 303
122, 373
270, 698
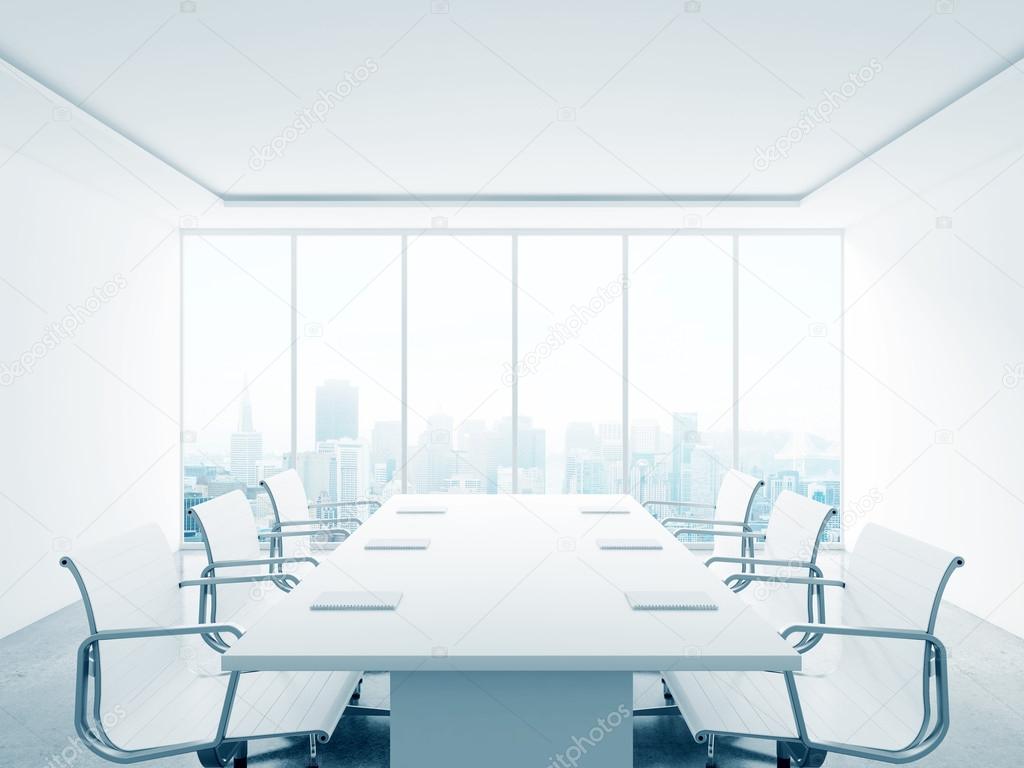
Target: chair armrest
263, 561
214, 580
815, 598
892, 633
711, 532
142, 632
806, 580
694, 504
286, 582
673, 520
801, 564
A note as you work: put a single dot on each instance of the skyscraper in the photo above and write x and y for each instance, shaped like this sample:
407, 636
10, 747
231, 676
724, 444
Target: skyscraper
385, 448
684, 437
348, 470
337, 410
246, 445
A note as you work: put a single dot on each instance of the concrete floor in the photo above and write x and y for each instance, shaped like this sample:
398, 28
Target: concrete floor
37, 684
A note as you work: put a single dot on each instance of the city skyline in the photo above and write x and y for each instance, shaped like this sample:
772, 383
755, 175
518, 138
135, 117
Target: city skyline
677, 463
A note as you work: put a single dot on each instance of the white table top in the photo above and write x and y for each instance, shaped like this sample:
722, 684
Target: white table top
510, 583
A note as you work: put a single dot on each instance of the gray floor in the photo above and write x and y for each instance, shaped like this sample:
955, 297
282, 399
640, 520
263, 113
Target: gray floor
37, 667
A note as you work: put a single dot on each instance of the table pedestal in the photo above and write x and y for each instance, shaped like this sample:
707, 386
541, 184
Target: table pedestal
511, 719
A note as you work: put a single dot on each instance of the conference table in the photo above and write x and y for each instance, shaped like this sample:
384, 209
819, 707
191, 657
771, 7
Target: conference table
513, 642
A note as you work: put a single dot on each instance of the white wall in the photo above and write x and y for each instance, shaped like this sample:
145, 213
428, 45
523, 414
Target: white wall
90, 440
934, 322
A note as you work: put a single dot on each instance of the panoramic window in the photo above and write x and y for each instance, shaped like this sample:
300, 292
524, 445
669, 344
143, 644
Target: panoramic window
680, 368
348, 374
724, 350
236, 363
789, 367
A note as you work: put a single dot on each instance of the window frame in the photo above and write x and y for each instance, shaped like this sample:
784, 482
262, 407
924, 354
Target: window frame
402, 237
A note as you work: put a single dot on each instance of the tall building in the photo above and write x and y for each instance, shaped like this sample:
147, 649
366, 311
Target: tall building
385, 449
581, 443
348, 469
477, 453
643, 437
684, 437
532, 457
314, 470
432, 461
706, 475
337, 410
246, 446
593, 476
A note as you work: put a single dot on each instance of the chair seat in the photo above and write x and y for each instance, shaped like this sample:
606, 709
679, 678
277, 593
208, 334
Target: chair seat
276, 703
179, 705
847, 705
748, 703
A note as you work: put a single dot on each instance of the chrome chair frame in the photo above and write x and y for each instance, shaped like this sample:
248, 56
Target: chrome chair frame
935, 718
217, 752
696, 525
208, 580
277, 534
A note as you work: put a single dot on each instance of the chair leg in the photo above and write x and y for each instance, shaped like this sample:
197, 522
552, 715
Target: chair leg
796, 753
665, 690
314, 760
357, 692
781, 755
221, 755
711, 752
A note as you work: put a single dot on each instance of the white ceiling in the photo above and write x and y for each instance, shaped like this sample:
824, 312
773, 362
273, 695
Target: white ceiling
668, 102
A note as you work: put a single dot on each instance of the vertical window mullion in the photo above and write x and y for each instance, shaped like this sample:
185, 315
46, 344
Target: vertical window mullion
625, 367
295, 352
405, 364
735, 351
515, 364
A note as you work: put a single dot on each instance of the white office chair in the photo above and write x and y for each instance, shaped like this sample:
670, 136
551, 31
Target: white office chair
232, 543
791, 543
292, 513
729, 523
147, 699
886, 699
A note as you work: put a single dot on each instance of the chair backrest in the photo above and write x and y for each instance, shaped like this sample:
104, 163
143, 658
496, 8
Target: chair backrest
228, 528
735, 500
736, 496
893, 581
795, 527
127, 582
793, 534
287, 496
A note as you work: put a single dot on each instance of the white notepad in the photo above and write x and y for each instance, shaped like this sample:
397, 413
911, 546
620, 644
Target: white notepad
628, 544
604, 510
397, 544
422, 510
356, 601
671, 601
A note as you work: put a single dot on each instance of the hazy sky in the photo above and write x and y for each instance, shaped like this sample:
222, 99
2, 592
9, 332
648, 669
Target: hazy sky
237, 326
